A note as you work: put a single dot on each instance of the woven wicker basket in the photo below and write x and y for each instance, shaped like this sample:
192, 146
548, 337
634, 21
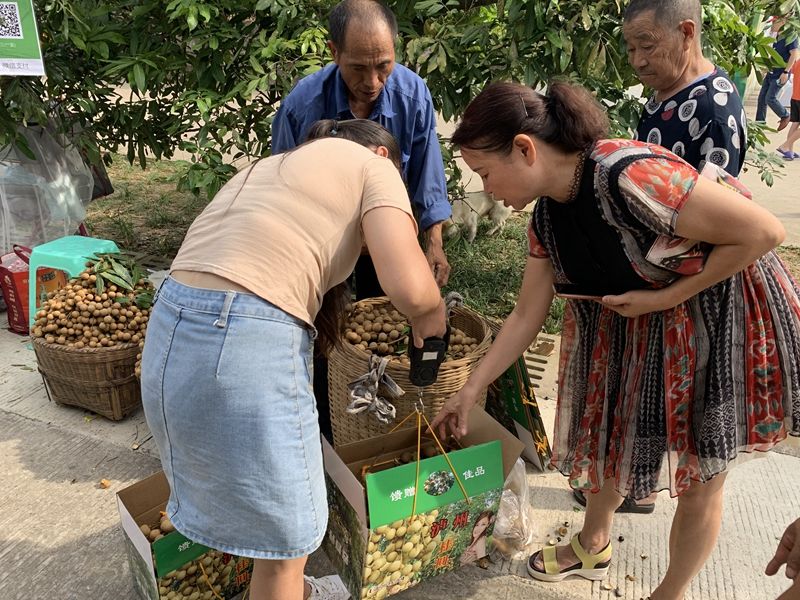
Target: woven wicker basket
349, 363
98, 379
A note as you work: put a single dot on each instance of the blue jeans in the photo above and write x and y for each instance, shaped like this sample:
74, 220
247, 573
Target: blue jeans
768, 96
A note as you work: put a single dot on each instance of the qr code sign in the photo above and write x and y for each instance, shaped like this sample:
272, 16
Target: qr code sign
9, 21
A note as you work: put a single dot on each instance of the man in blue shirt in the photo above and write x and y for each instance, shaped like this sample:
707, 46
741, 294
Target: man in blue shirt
365, 82
777, 77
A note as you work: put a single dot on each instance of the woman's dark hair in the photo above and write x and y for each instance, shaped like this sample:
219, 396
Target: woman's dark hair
329, 321
361, 131
568, 117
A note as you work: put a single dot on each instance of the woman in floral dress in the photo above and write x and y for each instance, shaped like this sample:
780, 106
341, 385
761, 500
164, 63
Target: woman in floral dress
682, 332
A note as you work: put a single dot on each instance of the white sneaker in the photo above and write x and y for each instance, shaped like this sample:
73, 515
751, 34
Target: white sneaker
327, 588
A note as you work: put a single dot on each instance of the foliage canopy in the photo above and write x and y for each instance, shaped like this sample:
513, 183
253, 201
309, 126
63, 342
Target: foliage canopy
151, 78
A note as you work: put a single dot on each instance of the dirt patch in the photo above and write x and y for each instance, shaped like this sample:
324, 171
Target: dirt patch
790, 255
146, 213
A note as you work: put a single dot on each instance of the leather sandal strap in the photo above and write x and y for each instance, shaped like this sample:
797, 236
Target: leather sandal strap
589, 561
550, 560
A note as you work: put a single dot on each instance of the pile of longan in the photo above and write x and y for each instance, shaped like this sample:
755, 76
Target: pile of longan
79, 315
188, 581
384, 331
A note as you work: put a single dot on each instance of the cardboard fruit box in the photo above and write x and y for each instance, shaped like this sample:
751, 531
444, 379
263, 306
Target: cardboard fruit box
512, 401
174, 567
378, 541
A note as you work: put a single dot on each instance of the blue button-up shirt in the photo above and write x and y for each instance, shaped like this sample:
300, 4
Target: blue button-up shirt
404, 107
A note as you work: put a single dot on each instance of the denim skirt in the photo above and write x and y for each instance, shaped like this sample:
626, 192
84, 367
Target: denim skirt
226, 388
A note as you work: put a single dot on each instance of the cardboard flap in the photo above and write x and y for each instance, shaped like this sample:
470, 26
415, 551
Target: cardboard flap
367, 449
347, 483
134, 534
482, 428
138, 498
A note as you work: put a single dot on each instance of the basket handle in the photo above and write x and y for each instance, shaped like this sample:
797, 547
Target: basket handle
23, 252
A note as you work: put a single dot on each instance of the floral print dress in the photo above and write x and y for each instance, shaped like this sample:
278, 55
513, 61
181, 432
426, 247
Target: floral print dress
658, 401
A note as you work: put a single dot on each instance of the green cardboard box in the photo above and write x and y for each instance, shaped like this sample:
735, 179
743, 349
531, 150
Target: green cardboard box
512, 401
173, 564
378, 542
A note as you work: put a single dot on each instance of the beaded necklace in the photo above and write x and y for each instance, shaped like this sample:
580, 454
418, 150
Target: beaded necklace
577, 175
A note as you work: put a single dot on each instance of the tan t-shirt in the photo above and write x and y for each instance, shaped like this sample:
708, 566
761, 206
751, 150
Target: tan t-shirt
288, 228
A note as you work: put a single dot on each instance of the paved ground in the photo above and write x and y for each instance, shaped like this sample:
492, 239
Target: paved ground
60, 538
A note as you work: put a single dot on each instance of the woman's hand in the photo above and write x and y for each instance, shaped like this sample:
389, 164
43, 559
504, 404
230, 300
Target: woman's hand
453, 415
430, 324
788, 553
640, 302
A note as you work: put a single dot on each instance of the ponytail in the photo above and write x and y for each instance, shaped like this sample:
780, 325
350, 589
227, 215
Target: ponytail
568, 117
578, 118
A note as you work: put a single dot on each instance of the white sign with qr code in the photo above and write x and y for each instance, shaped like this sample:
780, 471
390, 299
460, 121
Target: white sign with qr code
20, 50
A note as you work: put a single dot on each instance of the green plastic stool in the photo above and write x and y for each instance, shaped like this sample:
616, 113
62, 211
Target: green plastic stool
69, 254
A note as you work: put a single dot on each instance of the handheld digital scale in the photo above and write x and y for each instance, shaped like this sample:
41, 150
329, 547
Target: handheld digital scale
425, 361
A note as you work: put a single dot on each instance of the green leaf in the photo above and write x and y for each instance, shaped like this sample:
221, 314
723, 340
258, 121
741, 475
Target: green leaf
566, 52
22, 145
139, 78
102, 49
123, 273
116, 280
553, 38
441, 59
145, 299
256, 65
78, 41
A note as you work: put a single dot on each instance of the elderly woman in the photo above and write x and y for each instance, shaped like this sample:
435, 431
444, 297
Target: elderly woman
694, 109
226, 381
676, 355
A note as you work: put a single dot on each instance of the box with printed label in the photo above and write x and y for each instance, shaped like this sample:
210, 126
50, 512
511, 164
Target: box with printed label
173, 567
511, 400
395, 528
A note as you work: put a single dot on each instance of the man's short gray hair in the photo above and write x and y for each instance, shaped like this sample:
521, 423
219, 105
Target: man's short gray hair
369, 12
667, 13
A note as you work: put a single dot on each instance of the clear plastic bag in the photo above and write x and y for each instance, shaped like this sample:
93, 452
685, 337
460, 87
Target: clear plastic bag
45, 198
513, 530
